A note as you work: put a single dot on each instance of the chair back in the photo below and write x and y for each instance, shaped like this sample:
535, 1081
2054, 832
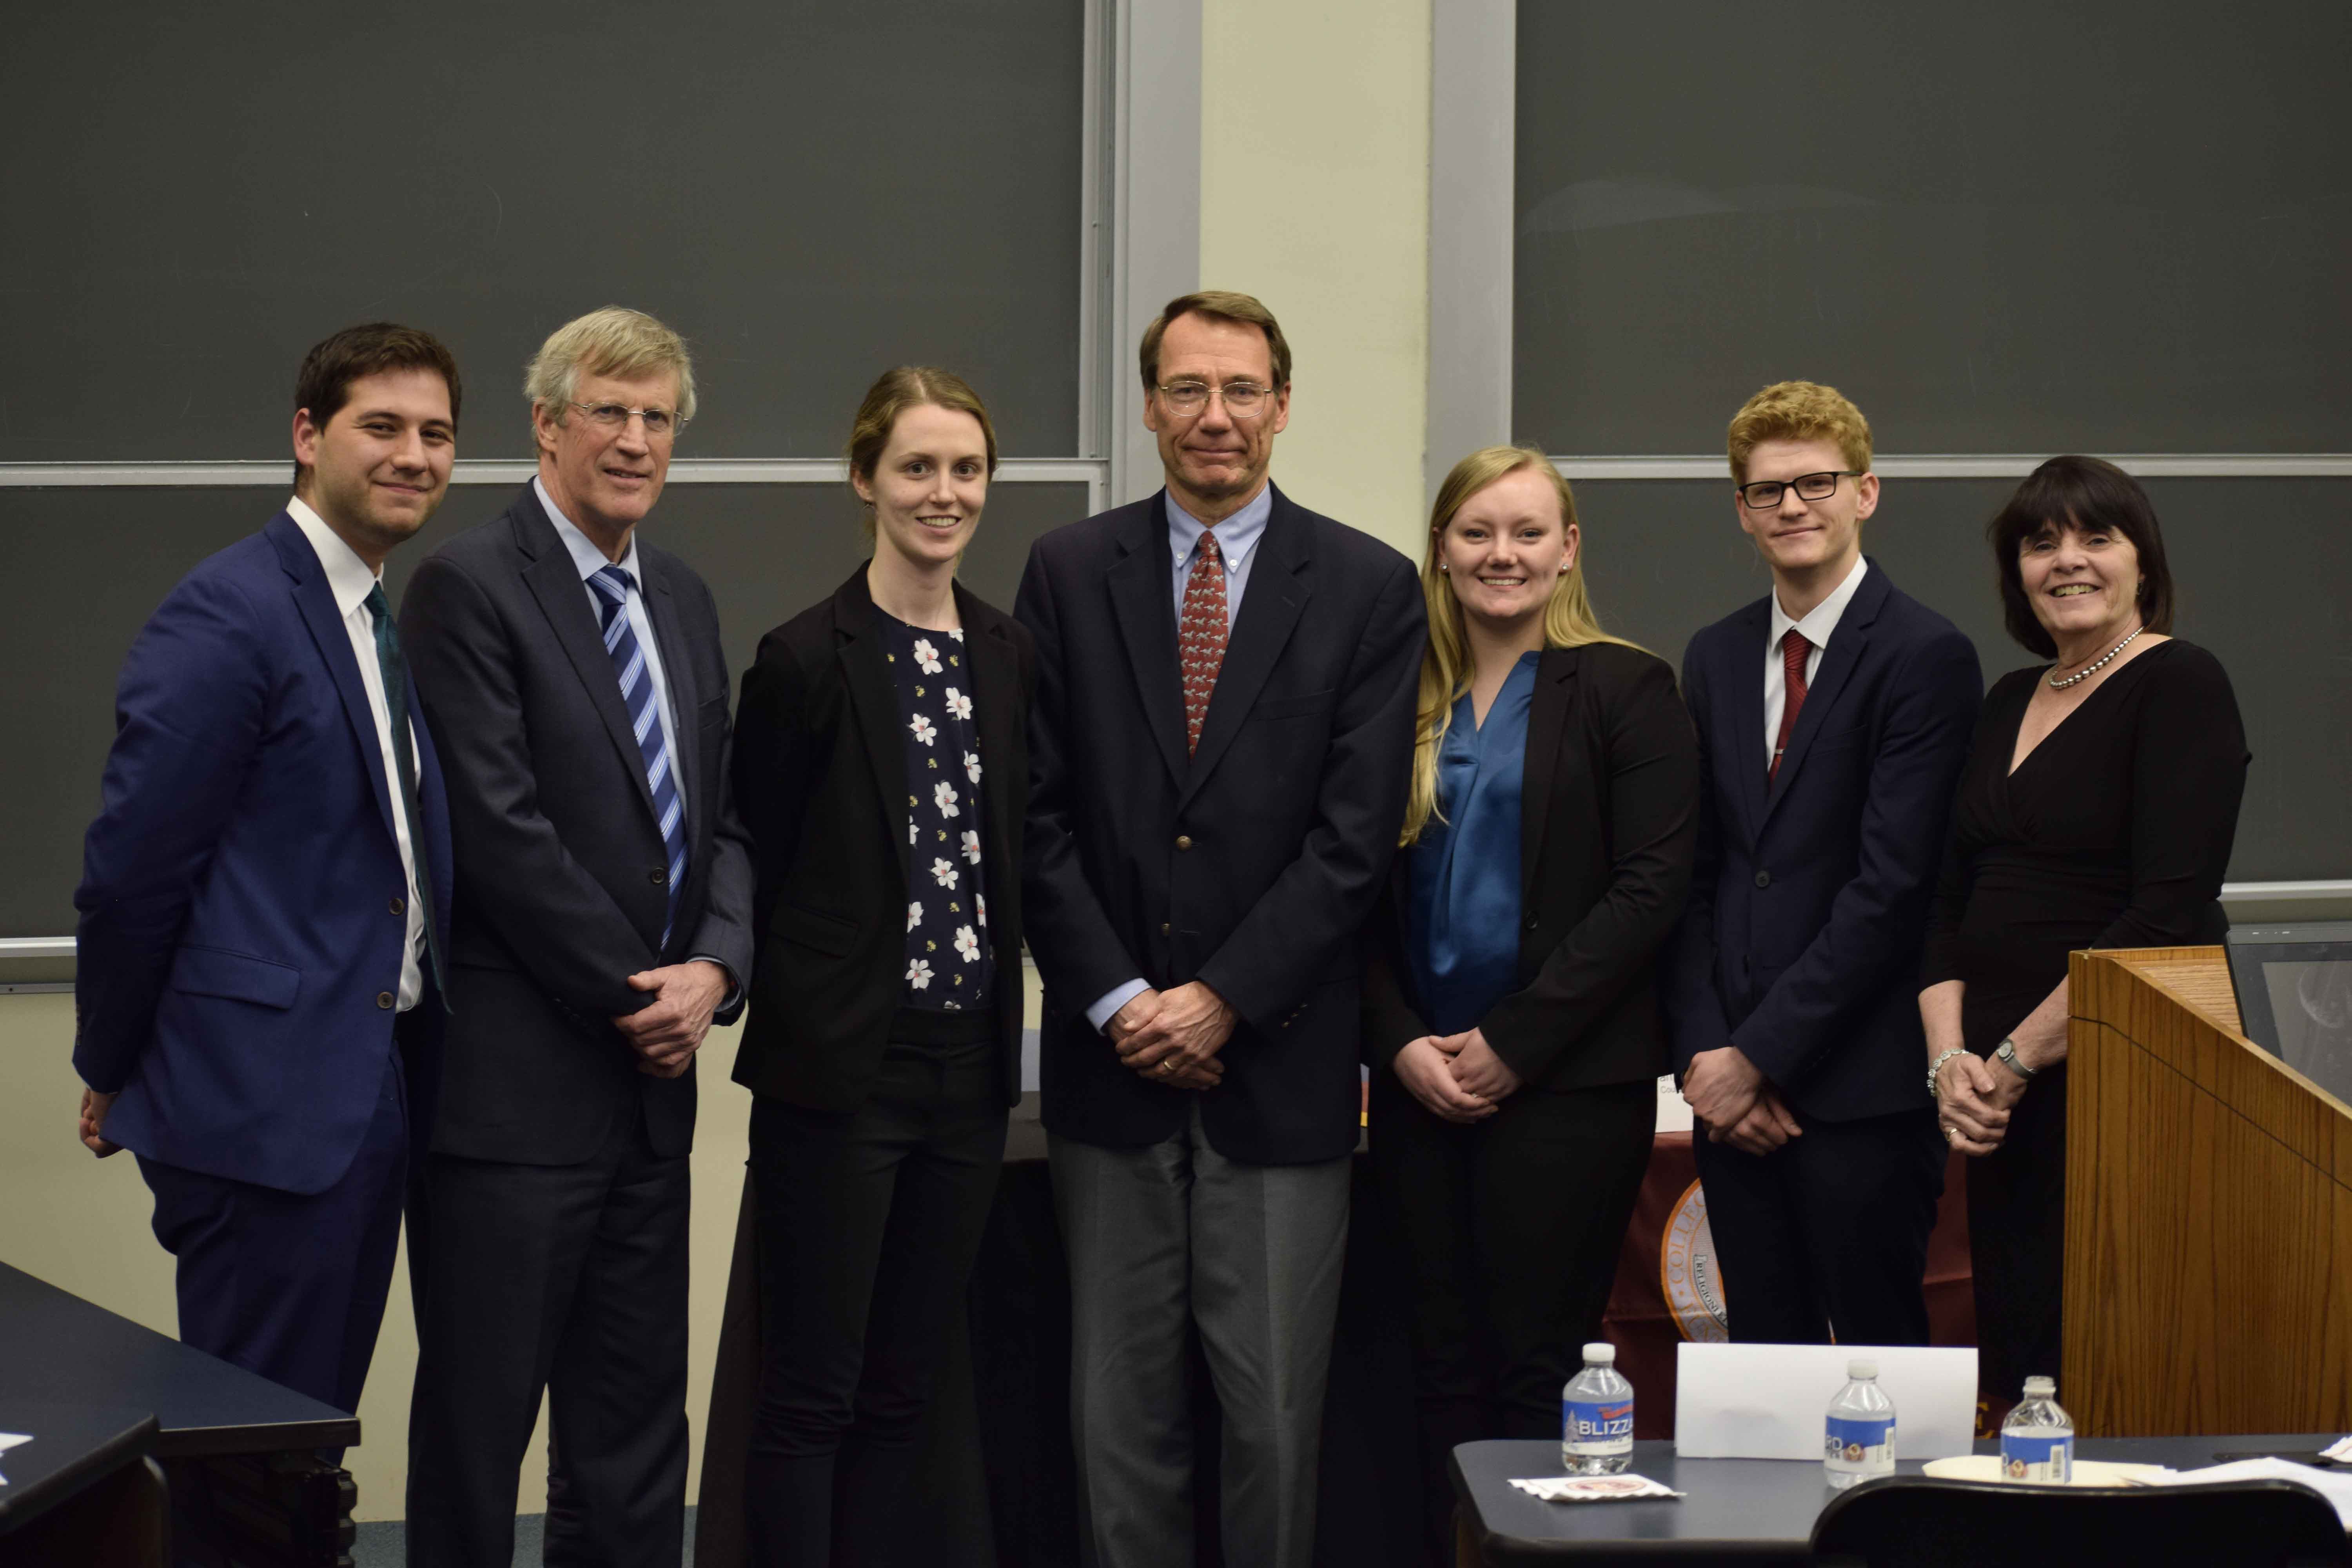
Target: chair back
1907, 1522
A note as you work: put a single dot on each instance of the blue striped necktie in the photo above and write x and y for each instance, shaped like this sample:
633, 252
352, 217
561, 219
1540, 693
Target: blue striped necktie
612, 586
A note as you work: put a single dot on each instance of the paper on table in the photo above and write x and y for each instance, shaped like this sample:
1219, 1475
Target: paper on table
2337, 1488
1594, 1488
1767, 1402
2339, 1450
10, 1439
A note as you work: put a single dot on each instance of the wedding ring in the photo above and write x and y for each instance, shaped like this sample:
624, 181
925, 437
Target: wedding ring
1951, 1134
1166, 1064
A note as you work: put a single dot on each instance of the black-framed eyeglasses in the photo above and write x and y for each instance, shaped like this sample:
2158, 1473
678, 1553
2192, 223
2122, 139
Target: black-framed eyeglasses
1243, 399
660, 423
1765, 494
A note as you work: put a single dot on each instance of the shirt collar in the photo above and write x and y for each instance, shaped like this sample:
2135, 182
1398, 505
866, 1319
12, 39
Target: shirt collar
585, 553
1823, 618
1237, 536
349, 578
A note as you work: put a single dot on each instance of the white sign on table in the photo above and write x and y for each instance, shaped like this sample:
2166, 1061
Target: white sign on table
1768, 1401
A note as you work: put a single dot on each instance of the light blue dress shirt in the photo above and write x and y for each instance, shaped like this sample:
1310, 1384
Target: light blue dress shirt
1463, 912
1237, 539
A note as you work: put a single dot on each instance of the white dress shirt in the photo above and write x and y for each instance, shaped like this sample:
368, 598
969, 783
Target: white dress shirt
591, 561
1819, 622
349, 579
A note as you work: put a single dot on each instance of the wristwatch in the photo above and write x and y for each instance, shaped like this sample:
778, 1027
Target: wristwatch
2006, 1054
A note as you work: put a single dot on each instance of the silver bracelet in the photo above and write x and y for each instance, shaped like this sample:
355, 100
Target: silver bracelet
1936, 1066
2006, 1054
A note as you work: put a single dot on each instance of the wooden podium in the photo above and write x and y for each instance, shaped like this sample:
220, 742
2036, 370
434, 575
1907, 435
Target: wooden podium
2208, 1212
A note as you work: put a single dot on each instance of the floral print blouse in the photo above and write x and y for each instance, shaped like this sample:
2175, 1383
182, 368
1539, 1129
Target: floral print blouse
948, 964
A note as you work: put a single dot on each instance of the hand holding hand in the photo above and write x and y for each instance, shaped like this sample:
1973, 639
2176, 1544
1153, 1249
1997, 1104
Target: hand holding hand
1972, 1103
669, 1030
1425, 1068
1721, 1087
94, 1107
1479, 1070
1191, 1025
1767, 1126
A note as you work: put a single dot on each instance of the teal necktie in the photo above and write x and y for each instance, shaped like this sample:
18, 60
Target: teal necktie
396, 701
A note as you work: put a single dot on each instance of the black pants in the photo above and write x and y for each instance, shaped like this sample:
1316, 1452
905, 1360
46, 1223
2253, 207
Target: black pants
868, 1223
1827, 1234
1509, 1230
566, 1279
2016, 1237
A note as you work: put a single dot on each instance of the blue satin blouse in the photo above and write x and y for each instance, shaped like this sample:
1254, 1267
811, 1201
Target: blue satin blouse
1463, 925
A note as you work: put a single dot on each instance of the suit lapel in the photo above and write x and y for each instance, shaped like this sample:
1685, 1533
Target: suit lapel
1547, 723
1849, 645
1142, 586
1744, 683
1276, 596
316, 601
563, 598
685, 695
872, 696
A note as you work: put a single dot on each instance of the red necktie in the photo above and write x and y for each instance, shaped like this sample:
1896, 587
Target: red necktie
1793, 649
1201, 636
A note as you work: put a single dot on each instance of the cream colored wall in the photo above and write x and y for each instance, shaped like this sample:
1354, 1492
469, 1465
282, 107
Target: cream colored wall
1315, 197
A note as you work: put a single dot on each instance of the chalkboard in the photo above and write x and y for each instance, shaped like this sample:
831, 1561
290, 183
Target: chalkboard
89, 566
2001, 227
810, 192
2261, 567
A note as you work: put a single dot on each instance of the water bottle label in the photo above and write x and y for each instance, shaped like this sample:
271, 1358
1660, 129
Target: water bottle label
2049, 1461
1860, 1444
1597, 1425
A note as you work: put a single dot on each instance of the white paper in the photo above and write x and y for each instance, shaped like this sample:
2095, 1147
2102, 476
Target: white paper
10, 1439
2337, 1488
1768, 1401
1622, 1487
2339, 1450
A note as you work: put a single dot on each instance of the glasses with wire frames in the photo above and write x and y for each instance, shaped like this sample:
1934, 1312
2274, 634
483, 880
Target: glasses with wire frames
1243, 399
1763, 495
661, 424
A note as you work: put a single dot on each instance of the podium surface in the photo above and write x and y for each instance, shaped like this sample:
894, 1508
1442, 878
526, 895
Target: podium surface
2209, 1211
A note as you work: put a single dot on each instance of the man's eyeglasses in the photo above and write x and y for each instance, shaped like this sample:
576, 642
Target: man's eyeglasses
1765, 494
660, 423
1243, 399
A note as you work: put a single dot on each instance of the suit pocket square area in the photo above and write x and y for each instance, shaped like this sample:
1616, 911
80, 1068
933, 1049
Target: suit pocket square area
240, 977
813, 928
1293, 706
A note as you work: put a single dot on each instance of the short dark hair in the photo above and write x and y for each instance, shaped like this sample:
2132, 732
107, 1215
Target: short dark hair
324, 383
1222, 305
2084, 494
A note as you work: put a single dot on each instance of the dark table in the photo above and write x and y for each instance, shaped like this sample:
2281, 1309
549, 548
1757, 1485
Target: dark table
1751, 1511
239, 1450
83, 1490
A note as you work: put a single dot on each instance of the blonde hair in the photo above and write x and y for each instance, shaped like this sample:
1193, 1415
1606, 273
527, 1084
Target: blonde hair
616, 342
1799, 411
893, 391
1446, 664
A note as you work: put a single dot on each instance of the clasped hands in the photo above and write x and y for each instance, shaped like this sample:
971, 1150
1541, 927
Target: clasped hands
1973, 1099
667, 1031
1172, 1036
1458, 1076
1738, 1104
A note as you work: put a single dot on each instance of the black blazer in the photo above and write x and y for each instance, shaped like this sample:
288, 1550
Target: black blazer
1608, 824
821, 779
561, 869
1250, 864
1809, 898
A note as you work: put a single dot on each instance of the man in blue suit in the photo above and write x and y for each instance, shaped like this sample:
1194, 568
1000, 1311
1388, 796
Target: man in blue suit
1833, 716
265, 886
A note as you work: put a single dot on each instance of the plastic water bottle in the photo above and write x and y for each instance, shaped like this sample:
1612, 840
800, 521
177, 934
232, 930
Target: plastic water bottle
1860, 1442
2037, 1440
1596, 1417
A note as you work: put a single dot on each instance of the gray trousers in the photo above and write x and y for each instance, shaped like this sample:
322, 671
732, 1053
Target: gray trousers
1176, 1233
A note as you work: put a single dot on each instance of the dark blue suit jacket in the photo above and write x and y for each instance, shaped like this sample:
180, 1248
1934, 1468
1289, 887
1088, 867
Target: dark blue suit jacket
241, 905
1808, 901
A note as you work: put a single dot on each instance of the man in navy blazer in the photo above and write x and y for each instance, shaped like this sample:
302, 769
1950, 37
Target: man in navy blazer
265, 886
1833, 716
1219, 754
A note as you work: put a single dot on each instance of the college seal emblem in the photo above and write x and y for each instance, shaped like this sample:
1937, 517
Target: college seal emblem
1688, 1276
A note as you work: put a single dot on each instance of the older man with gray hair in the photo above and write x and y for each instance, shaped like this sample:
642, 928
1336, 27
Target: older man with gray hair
574, 681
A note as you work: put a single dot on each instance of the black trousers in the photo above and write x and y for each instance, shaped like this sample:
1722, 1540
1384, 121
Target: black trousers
1510, 1231
1827, 1235
2016, 1241
868, 1221
569, 1279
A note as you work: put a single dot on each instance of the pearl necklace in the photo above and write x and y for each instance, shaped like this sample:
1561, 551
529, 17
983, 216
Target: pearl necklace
2091, 670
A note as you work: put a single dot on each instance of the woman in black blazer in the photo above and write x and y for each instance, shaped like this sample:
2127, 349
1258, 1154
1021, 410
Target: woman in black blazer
1508, 999
881, 767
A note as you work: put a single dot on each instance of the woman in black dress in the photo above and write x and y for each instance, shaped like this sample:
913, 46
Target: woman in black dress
881, 767
2096, 810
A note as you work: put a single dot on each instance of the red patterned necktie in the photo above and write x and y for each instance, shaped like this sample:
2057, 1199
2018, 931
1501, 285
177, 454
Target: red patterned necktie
1201, 636
1793, 649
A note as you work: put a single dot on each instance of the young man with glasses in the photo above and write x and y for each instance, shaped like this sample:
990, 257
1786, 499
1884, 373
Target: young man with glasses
1219, 748
574, 677
1833, 716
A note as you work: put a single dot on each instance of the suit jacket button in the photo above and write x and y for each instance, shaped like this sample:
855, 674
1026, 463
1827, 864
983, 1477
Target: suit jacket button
1183, 841
1531, 922
1763, 879
384, 998
657, 878
400, 906
1164, 927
